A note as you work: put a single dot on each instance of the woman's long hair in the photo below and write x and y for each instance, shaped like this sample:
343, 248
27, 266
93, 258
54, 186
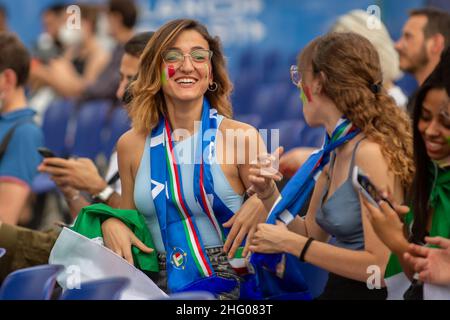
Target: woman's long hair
423, 179
148, 103
351, 67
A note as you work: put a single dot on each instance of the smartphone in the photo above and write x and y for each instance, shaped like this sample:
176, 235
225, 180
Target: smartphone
362, 183
46, 153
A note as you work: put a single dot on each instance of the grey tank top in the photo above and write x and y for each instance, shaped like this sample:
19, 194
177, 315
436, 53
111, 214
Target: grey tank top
340, 215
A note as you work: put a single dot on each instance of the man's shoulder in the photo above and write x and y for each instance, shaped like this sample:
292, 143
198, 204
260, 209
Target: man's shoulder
29, 131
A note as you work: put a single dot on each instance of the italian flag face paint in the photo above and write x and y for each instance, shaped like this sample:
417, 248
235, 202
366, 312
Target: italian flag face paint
307, 92
168, 72
448, 140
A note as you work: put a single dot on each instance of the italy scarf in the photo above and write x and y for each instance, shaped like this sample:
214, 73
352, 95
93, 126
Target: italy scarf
188, 265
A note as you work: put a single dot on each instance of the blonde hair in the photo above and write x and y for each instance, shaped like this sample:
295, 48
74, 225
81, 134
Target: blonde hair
148, 103
356, 21
350, 65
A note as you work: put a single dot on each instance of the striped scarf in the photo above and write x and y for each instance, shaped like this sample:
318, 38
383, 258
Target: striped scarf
188, 265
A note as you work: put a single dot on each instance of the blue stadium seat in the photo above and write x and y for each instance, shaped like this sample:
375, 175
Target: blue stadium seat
270, 101
54, 125
35, 283
2, 252
105, 289
117, 125
252, 119
312, 137
42, 184
91, 119
192, 295
294, 106
289, 133
245, 87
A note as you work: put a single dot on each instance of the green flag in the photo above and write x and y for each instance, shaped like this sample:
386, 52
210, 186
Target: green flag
89, 224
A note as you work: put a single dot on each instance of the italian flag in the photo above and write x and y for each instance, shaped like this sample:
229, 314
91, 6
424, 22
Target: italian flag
238, 262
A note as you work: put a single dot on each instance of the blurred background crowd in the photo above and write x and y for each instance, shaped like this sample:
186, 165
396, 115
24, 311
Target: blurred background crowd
74, 76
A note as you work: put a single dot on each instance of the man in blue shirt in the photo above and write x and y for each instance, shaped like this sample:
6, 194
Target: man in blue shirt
18, 165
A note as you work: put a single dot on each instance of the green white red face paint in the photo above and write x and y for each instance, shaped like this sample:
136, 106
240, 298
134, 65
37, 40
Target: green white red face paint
168, 72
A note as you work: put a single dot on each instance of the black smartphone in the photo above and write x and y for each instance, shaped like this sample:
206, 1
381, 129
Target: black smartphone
362, 182
46, 153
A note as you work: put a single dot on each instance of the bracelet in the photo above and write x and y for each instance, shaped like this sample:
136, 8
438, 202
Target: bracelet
305, 248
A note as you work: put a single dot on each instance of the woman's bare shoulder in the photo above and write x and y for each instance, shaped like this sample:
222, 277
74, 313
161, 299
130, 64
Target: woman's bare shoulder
129, 140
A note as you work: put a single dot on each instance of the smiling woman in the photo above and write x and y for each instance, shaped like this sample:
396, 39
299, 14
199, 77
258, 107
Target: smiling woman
430, 201
192, 208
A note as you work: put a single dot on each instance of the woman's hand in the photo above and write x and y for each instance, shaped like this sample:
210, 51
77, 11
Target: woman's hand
387, 224
432, 265
264, 172
119, 238
270, 238
243, 224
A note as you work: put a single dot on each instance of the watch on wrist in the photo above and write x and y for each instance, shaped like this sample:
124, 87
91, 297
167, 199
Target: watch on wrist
104, 195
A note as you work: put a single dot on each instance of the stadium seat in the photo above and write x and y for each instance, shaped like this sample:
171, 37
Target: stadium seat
90, 122
252, 119
54, 125
294, 106
289, 134
270, 101
117, 124
2, 252
192, 295
105, 289
312, 137
35, 283
42, 184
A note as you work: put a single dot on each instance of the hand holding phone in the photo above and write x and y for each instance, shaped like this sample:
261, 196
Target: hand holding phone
362, 183
46, 153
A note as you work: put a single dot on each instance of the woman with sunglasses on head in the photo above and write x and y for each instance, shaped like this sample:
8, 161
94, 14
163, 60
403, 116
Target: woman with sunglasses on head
340, 79
430, 195
180, 165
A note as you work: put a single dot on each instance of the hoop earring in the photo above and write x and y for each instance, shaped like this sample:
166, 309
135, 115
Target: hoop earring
213, 86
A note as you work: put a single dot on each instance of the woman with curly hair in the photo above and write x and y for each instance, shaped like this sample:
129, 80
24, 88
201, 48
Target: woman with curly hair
340, 77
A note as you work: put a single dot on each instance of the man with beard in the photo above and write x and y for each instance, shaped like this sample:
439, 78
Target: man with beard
425, 36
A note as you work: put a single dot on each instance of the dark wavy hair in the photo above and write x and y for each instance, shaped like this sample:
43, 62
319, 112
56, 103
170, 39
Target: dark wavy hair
422, 183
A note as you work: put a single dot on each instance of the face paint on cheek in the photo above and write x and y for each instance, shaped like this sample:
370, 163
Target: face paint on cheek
448, 141
303, 97
168, 72
306, 92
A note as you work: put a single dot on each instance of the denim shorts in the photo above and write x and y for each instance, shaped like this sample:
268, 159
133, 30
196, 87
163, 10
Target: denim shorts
220, 264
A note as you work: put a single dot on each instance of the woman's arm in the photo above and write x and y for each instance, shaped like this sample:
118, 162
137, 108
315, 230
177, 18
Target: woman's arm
246, 145
344, 262
117, 236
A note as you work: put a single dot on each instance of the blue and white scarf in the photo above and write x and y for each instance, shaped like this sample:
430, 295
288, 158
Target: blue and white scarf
188, 265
